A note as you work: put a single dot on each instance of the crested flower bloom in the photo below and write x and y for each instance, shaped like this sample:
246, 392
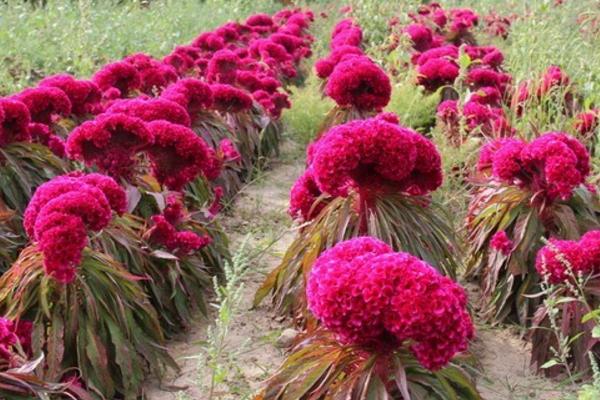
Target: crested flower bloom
209, 41
552, 165
228, 151
304, 196
448, 52
151, 110
154, 75
375, 156
60, 214
561, 259
324, 67
190, 93
437, 72
420, 35
120, 76
222, 67
14, 121
501, 243
110, 142
84, 95
369, 295
462, 19
14, 334
554, 77
177, 155
181, 243
227, 98
45, 103
486, 77
360, 83
586, 123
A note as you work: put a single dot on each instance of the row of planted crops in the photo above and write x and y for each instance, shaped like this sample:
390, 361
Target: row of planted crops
111, 190
371, 277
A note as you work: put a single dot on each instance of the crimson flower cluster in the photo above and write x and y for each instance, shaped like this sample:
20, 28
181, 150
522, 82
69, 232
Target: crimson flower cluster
369, 295
553, 80
164, 230
373, 157
563, 260
551, 166
63, 210
14, 334
353, 79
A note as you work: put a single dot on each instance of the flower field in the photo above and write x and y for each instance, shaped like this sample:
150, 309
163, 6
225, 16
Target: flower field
300, 200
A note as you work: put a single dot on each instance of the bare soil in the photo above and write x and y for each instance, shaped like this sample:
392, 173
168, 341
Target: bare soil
259, 213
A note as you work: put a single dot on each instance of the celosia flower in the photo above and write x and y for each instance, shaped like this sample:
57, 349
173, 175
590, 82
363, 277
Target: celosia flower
173, 211
437, 72
216, 205
420, 35
554, 77
487, 95
590, 244
45, 103
59, 215
586, 123
177, 155
181, 243
12, 334
324, 67
121, 76
462, 19
228, 151
209, 41
110, 142
192, 94
152, 109
154, 75
561, 259
487, 77
14, 123
373, 156
501, 243
368, 295
227, 98
304, 196
448, 52
85, 96
360, 83
222, 67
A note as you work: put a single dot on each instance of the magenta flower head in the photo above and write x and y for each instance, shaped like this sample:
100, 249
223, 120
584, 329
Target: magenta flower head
360, 83
222, 67
304, 196
561, 259
586, 123
209, 41
501, 243
369, 295
177, 155
154, 75
437, 72
120, 75
151, 110
85, 96
420, 35
14, 121
190, 93
227, 98
62, 211
377, 157
110, 143
46, 104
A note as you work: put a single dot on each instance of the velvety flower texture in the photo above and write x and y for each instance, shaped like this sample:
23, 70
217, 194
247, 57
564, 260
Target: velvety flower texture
151, 110
227, 98
14, 121
303, 197
45, 104
375, 156
177, 155
502, 243
360, 83
437, 72
110, 142
121, 75
84, 95
222, 67
14, 333
192, 94
369, 295
164, 231
551, 166
560, 259
154, 75
420, 35
586, 123
60, 214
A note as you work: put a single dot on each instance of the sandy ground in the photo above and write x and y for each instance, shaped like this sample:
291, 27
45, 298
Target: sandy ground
260, 213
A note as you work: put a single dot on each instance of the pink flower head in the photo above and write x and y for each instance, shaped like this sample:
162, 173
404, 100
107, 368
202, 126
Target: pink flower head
373, 156
177, 155
45, 103
437, 72
13, 333
447, 112
561, 259
462, 19
110, 142
487, 77
14, 121
487, 95
154, 75
209, 41
181, 243
84, 96
554, 77
420, 35
448, 52
501, 243
119, 75
174, 210
369, 295
222, 67
227, 98
590, 243
151, 110
304, 196
228, 151
60, 214
192, 94
586, 123
360, 83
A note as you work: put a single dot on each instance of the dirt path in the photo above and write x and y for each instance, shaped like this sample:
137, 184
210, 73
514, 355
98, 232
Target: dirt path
259, 213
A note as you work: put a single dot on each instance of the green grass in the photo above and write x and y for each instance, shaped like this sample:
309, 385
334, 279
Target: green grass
77, 36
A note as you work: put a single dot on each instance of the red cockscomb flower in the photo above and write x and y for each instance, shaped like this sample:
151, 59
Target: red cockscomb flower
120, 75
151, 110
14, 122
227, 98
45, 104
304, 196
84, 95
437, 72
360, 83
192, 94
501, 243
